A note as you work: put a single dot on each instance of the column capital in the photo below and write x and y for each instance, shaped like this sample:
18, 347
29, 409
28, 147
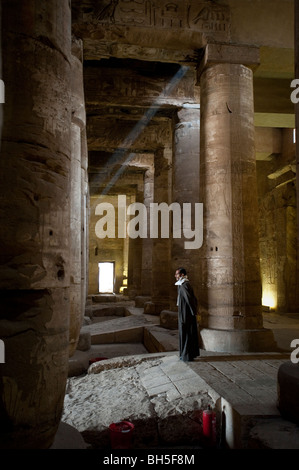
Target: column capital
229, 54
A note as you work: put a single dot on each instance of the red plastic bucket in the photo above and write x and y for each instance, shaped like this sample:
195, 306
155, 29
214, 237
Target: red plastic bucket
209, 426
121, 435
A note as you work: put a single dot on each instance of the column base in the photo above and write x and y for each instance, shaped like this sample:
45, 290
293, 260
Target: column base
234, 341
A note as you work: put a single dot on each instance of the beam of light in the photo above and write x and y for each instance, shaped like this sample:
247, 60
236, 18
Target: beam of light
139, 127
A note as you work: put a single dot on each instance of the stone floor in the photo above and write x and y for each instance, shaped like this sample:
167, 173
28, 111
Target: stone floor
165, 397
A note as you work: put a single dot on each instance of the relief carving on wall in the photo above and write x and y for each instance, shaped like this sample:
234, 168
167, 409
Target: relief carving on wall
204, 16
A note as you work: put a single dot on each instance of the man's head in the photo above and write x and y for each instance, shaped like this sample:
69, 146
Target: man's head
180, 272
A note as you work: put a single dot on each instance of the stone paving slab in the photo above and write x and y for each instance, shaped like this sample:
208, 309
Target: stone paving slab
123, 329
241, 381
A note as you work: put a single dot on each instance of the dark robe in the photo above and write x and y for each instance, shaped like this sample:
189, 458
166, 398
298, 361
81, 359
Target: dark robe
188, 335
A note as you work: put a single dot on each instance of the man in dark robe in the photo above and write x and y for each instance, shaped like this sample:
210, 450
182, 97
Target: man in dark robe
187, 304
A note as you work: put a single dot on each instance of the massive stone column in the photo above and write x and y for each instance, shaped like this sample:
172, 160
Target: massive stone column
185, 188
146, 270
135, 259
77, 127
34, 220
161, 269
84, 219
230, 294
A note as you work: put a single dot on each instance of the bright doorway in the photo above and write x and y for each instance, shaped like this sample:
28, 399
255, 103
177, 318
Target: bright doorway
106, 278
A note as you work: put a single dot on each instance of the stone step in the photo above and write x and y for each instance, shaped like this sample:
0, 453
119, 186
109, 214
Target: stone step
106, 298
108, 310
121, 330
158, 339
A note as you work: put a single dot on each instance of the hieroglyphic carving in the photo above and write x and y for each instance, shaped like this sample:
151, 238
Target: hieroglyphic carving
205, 16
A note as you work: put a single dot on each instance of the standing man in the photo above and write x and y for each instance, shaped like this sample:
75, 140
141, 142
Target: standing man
187, 304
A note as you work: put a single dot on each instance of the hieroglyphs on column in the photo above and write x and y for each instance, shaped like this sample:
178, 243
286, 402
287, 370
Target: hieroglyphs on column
34, 235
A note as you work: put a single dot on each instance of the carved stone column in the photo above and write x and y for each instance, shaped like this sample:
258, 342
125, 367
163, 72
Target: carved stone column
78, 125
146, 270
34, 220
135, 260
84, 219
185, 188
230, 294
161, 269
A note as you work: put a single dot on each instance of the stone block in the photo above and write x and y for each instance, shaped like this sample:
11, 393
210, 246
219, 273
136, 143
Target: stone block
84, 342
229, 341
78, 364
140, 300
88, 311
86, 320
104, 298
153, 308
169, 319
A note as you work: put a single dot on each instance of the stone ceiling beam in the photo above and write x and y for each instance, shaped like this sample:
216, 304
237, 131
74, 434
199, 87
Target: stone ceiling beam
111, 135
138, 84
97, 50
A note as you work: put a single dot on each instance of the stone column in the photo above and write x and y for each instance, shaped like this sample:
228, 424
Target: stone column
135, 259
230, 294
84, 219
34, 220
161, 269
185, 188
78, 124
146, 271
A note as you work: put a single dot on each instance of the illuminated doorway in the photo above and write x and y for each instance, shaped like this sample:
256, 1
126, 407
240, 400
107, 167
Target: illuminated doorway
106, 278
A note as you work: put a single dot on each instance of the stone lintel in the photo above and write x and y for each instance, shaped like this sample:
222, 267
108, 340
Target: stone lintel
229, 54
96, 50
233, 341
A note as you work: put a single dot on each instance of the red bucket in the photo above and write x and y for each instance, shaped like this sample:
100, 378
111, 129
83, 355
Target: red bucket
121, 435
209, 425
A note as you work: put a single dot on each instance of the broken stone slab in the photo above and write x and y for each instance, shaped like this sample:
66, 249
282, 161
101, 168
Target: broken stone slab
95, 401
169, 319
118, 389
